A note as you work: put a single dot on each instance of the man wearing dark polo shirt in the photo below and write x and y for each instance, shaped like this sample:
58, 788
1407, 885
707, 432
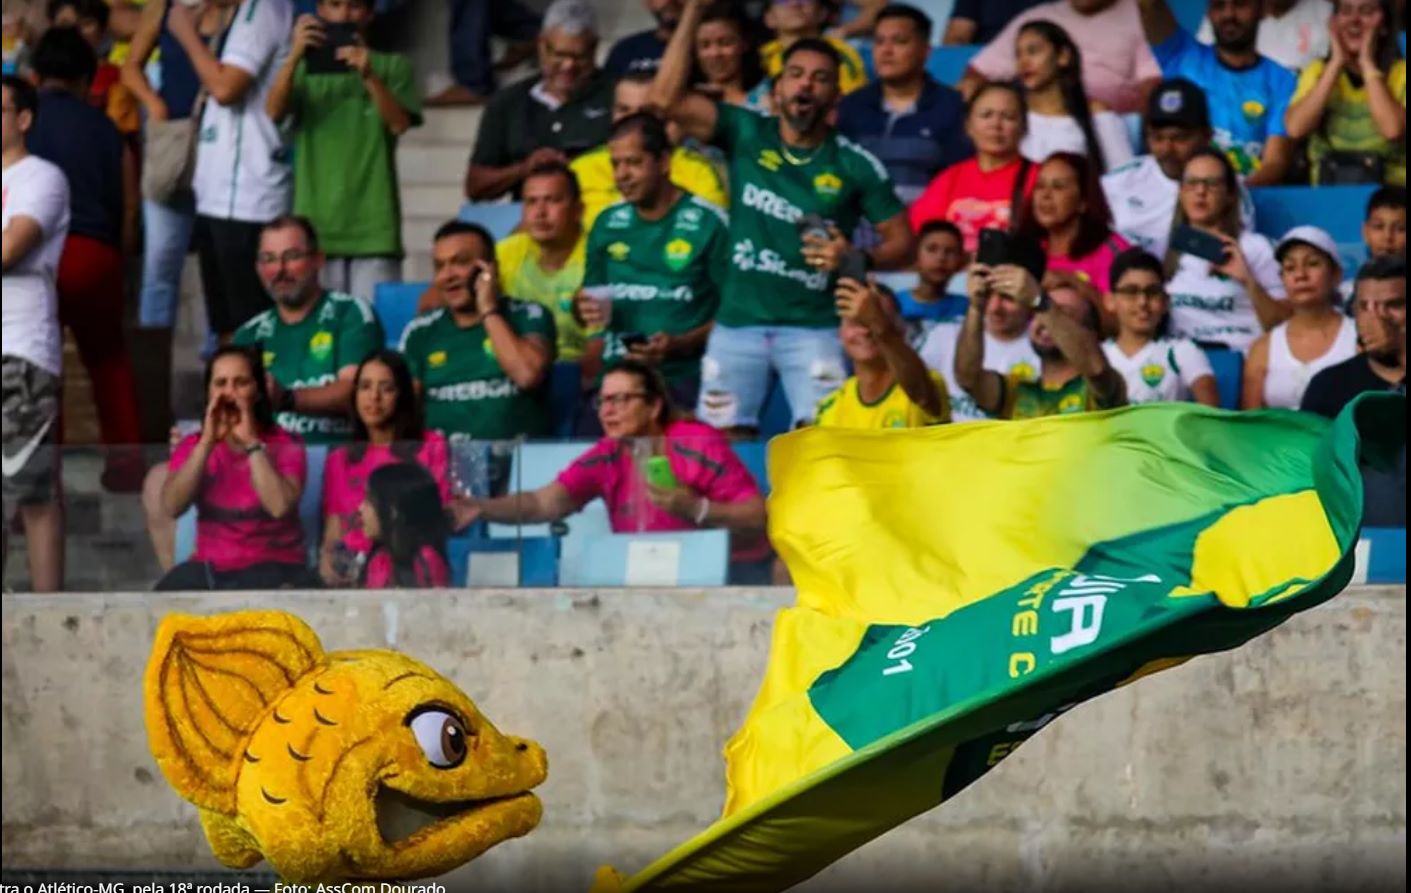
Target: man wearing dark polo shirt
566, 111
910, 121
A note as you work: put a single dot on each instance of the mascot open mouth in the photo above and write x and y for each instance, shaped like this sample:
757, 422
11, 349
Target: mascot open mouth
402, 817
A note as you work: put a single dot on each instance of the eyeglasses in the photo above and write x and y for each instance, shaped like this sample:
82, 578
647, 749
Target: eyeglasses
1140, 291
1207, 182
619, 399
293, 256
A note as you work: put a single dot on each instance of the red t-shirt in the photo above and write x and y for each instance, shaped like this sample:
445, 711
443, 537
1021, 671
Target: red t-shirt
972, 199
233, 531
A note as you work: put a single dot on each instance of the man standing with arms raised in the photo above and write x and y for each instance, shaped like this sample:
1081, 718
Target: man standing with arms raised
777, 301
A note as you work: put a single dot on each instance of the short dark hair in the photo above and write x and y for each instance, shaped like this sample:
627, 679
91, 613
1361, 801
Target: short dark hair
1380, 268
1393, 197
63, 55
1134, 259
96, 10
940, 226
637, 77
557, 169
465, 228
293, 221
916, 17
649, 127
22, 94
812, 45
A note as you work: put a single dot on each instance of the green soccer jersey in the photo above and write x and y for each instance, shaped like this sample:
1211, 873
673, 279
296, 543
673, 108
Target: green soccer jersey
345, 171
664, 274
463, 385
771, 187
339, 331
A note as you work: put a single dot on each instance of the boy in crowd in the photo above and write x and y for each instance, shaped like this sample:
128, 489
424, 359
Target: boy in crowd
795, 20
1383, 231
940, 254
1155, 367
348, 108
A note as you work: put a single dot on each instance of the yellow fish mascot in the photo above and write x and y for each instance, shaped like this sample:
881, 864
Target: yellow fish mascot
355, 765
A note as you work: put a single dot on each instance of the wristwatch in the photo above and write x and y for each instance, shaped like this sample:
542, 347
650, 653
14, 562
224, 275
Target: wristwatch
256, 447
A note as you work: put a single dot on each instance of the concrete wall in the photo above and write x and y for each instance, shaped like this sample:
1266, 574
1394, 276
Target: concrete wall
1282, 764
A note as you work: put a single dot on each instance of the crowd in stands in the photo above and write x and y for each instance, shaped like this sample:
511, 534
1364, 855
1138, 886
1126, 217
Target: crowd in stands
734, 197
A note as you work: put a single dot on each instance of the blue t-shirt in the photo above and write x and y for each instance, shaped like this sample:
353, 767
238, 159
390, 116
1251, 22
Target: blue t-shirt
84, 144
948, 308
913, 146
1246, 105
635, 52
179, 84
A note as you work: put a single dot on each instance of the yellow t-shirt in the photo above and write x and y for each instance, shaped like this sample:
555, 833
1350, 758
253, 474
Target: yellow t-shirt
690, 170
521, 277
851, 76
1347, 120
844, 408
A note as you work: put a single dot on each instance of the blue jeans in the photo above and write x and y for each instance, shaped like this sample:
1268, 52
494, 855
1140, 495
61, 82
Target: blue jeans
735, 372
166, 234
473, 22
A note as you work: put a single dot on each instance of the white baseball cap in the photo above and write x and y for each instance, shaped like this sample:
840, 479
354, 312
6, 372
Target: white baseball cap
1309, 235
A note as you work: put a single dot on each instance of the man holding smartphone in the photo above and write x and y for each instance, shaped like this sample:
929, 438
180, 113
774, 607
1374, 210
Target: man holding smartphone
777, 313
1075, 374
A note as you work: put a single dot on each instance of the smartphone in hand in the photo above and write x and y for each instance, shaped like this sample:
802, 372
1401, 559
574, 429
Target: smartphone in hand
633, 339
323, 59
853, 266
659, 473
813, 226
1198, 243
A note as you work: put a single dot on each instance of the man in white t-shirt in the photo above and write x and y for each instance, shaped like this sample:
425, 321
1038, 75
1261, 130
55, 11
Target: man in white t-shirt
1142, 193
1007, 351
243, 179
1293, 32
35, 221
1156, 368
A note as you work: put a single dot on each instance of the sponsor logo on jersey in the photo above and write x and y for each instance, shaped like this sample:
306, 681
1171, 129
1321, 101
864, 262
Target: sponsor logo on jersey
827, 184
770, 204
1253, 109
321, 345
619, 250
691, 215
481, 389
1153, 373
620, 217
749, 259
678, 254
770, 160
894, 418
436, 359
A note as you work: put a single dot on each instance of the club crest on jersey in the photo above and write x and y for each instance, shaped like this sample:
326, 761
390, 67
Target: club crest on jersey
1070, 403
1253, 109
770, 160
678, 254
1023, 371
268, 359
436, 359
321, 345
619, 250
1153, 373
827, 185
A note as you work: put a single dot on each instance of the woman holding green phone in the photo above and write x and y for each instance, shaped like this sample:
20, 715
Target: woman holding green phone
656, 472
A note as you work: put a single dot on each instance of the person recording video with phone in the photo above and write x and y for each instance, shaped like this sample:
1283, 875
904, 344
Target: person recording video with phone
656, 472
349, 105
1222, 278
1075, 375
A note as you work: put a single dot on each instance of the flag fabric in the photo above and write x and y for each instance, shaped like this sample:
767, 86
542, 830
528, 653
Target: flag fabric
960, 587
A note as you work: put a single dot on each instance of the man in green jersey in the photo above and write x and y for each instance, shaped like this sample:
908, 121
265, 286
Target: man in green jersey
312, 339
777, 310
653, 267
482, 360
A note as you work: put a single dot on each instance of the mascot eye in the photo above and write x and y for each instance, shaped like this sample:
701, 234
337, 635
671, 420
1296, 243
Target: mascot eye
442, 737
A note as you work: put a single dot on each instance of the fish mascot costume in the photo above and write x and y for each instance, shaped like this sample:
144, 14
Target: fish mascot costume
355, 765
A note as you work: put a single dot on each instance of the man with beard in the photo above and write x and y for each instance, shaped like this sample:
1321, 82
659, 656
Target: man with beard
1142, 193
1248, 93
642, 51
777, 311
312, 339
1074, 374
658, 256
1380, 309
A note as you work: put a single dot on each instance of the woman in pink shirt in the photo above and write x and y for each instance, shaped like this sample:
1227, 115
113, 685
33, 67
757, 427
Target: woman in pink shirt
982, 192
1068, 215
706, 485
404, 519
245, 475
387, 428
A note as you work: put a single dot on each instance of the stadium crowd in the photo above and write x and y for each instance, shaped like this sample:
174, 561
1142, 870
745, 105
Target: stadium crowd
727, 201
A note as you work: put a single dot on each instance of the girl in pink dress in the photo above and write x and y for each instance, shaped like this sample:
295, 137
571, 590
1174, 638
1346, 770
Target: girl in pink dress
404, 519
387, 429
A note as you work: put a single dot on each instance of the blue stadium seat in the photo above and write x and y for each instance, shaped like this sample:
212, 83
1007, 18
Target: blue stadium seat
395, 306
688, 558
500, 218
1381, 556
531, 562
1337, 209
947, 64
564, 394
753, 454
1228, 366
310, 512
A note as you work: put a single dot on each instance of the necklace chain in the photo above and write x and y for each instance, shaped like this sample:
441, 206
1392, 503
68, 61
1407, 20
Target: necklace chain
794, 159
